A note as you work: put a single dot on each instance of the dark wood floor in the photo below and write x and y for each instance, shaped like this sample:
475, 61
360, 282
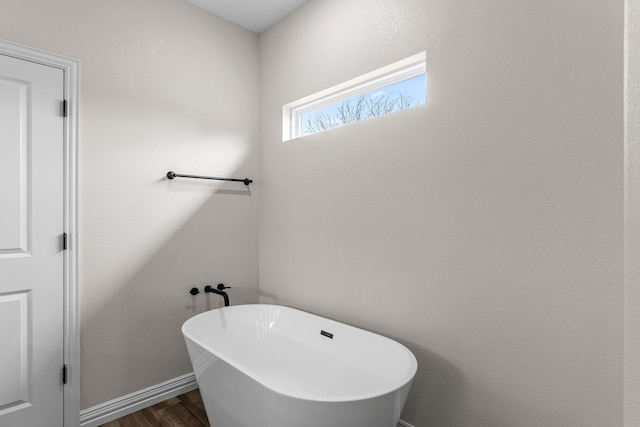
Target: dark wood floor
185, 410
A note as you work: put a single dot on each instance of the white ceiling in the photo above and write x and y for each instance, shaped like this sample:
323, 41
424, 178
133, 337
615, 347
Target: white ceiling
255, 15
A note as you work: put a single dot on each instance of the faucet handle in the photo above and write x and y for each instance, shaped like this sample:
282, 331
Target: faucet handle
194, 291
222, 287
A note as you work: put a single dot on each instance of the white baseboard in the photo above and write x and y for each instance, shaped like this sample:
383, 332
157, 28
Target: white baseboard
125, 405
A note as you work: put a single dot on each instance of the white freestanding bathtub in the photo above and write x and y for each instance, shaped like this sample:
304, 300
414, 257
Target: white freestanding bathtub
274, 366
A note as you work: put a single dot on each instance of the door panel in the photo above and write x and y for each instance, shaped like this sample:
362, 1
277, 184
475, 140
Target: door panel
15, 366
31, 257
14, 221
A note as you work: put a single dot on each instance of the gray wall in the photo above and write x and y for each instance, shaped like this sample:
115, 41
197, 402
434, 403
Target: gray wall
632, 218
165, 86
483, 230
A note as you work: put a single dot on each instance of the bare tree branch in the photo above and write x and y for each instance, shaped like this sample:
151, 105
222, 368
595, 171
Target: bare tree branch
361, 108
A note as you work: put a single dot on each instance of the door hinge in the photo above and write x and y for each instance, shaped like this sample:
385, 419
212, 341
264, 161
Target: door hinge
64, 374
64, 108
64, 241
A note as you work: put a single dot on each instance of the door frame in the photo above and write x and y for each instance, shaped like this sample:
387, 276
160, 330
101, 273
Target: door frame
71, 339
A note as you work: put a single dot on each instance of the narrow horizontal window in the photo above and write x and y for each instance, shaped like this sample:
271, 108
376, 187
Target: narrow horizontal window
389, 89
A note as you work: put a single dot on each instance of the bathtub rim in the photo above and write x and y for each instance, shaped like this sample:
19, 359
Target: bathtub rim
404, 381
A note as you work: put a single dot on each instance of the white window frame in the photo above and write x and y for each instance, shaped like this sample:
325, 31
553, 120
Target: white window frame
407, 68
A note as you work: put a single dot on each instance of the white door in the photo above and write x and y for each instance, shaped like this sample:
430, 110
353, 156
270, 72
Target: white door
31, 250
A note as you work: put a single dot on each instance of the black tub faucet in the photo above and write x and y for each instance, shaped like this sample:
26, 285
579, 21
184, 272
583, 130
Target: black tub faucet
219, 291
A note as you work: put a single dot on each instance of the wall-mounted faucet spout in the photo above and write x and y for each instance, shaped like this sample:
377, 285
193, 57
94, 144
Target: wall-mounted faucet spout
219, 291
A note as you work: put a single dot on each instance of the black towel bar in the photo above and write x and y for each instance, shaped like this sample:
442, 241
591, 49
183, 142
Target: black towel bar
172, 175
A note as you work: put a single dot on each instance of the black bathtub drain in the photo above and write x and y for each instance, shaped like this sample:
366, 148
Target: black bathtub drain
326, 334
